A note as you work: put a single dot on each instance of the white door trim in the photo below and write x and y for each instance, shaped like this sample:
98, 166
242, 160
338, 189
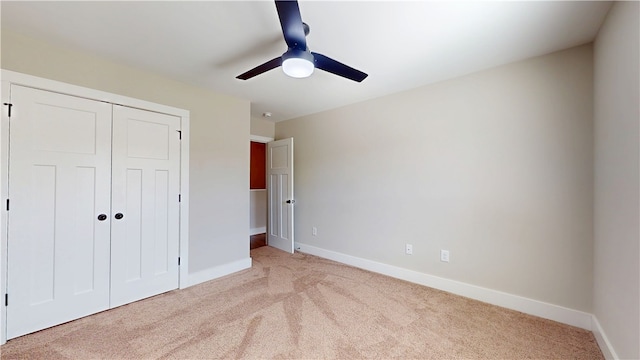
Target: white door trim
11, 77
260, 139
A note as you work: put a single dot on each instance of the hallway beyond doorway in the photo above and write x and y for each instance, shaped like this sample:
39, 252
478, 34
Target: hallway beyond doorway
258, 240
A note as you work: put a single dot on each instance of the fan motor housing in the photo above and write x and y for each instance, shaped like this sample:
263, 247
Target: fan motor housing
298, 54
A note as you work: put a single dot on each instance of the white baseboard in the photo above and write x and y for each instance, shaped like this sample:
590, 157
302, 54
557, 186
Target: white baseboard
216, 272
514, 302
603, 341
255, 231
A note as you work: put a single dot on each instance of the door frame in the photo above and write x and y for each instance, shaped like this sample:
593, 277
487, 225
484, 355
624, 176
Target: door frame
263, 140
7, 78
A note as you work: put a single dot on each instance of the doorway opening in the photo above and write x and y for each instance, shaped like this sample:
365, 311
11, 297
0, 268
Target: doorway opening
257, 240
258, 195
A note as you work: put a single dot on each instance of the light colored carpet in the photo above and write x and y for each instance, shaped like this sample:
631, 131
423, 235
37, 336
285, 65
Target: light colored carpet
304, 307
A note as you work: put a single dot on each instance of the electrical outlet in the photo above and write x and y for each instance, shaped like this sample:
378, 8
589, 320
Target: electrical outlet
408, 249
444, 255
314, 231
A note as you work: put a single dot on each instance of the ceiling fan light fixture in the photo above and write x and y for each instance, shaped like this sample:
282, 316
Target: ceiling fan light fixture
298, 61
297, 64
297, 68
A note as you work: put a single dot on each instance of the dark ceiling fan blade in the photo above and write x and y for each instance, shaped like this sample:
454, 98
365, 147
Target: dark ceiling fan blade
271, 64
335, 67
291, 22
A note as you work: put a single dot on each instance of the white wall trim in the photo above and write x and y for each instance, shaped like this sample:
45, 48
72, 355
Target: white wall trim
514, 302
261, 139
4, 188
217, 272
8, 78
605, 346
184, 202
87, 93
255, 231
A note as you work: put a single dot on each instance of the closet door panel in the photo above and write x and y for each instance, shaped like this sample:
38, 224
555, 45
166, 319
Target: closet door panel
146, 175
59, 182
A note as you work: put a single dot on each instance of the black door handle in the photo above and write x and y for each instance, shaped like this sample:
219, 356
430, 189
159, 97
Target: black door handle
102, 217
119, 216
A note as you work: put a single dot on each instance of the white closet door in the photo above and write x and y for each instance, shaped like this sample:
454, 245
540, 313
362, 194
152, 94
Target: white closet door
145, 176
60, 155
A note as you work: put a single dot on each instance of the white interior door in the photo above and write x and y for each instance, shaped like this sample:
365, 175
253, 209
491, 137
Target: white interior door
280, 194
60, 161
145, 204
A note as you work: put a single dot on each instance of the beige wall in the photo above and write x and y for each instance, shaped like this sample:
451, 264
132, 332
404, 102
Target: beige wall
262, 127
219, 163
496, 167
617, 182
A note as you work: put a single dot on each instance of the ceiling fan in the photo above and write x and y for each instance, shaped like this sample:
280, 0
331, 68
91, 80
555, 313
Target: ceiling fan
298, 61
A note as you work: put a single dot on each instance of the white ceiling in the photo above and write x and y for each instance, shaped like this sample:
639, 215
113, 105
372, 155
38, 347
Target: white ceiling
401, 45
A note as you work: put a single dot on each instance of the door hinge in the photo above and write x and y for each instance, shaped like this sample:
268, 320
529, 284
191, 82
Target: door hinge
10, 106
178, 260
7, 204
179, 134
179, 197
6, 299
